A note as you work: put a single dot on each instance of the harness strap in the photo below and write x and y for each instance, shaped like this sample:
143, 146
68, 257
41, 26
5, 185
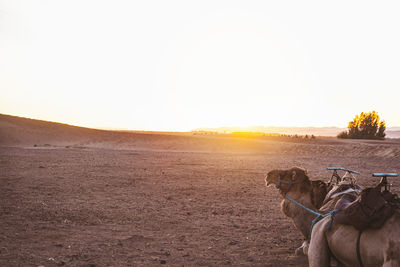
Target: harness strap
290, 183
332, 213
304, 207
358, 249
319, 215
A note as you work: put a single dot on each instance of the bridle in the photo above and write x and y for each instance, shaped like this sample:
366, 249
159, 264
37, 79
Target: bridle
290, 183
319, 215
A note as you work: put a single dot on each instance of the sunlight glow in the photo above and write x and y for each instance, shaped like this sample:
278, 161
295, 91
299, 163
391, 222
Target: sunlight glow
181, 65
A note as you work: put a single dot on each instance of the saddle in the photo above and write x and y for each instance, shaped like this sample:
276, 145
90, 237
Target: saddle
370, 209
341, 189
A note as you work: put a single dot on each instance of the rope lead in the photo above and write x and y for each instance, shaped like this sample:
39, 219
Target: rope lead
319, 217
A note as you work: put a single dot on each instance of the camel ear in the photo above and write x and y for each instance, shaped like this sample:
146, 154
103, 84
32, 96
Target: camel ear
305, 171
294, 175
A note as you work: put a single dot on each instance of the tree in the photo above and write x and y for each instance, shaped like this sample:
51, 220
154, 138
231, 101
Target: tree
365, 126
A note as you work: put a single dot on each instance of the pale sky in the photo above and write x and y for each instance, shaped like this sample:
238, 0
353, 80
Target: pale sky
180, 65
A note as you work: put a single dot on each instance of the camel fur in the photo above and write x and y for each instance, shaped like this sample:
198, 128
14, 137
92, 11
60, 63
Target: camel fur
310, 193
378, 247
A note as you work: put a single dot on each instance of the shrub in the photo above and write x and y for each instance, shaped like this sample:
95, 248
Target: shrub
365, 126
343, 135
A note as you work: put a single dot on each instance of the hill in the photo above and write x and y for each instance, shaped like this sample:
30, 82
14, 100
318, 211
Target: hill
23, 132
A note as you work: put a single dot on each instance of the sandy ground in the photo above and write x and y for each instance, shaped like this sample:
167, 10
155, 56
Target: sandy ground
79, 197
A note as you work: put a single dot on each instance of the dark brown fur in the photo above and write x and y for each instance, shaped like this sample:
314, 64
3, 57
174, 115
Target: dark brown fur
319, 191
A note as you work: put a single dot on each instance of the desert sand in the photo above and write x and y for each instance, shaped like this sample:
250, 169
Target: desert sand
82, 197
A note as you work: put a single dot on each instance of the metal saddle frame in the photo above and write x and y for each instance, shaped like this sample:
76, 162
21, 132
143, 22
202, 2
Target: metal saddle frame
347, 176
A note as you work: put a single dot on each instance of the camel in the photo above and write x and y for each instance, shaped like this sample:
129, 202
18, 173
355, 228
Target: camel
378, 247
309, 193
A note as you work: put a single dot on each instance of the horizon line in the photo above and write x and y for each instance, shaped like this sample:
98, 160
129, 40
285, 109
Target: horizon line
205, 128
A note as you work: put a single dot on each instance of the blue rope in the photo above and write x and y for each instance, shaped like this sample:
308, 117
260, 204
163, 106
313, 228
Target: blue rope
330, 223
304, 207
317, 219
319, 215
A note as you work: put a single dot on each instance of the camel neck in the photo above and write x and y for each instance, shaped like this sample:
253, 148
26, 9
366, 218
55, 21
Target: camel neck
302, 215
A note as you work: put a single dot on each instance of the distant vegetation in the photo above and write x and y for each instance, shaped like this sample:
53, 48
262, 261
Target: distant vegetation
254, 135
365, 126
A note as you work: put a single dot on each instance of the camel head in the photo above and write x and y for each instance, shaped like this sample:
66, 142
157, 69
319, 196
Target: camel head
290, 179
296, 179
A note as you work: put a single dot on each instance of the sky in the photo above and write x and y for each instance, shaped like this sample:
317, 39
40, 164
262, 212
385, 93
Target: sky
182, 65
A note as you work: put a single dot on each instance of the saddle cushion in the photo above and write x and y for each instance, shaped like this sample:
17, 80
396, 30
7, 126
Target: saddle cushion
345, 201
335, 190
368, 210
